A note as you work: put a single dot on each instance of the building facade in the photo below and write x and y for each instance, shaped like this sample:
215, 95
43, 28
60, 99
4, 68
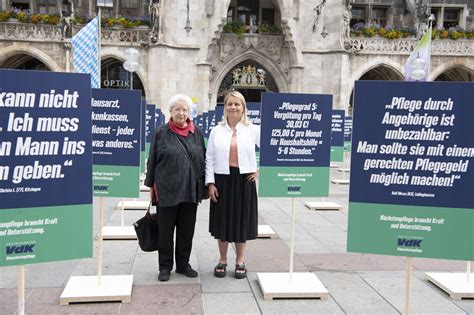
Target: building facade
204, 48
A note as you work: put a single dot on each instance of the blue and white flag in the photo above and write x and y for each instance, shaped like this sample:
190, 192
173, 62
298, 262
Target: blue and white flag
417, 67
86, 51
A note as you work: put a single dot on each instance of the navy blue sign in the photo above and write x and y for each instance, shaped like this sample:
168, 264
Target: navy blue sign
160, 117
299, 129
116, 127
348, 128
337, 128
253, 112
45, 133
150, 122
143, 124
413, 144
199, 120
207, 122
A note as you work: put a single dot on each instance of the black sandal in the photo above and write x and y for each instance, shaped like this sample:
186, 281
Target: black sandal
240, 271
219, 270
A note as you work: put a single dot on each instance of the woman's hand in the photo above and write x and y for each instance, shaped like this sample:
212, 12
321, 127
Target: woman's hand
213, 194
252, 176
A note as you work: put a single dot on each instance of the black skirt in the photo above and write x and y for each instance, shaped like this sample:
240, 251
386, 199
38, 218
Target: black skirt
234, 217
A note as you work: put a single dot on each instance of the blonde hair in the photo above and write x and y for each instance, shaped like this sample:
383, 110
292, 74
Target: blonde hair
244, 120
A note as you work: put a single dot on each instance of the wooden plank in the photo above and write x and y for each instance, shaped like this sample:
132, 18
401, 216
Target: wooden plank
119, 233
133, 204
87, 289
454, 284
300, 285
320, 205
265, 231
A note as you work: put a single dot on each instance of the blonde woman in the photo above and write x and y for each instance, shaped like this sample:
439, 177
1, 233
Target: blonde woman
231, 171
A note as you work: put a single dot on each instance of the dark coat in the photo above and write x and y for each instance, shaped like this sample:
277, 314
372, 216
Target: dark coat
177, 180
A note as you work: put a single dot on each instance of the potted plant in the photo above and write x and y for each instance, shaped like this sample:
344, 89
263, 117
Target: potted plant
266, 28
236, 27
5, 15
23, 16
35, 18
78, 20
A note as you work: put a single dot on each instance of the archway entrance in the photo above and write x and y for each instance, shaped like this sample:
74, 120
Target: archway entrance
457, 73
24, 62
249, 78
379, 73
114, 76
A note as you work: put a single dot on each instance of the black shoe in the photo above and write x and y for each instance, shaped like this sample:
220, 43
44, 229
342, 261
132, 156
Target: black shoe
164, 275
188, 271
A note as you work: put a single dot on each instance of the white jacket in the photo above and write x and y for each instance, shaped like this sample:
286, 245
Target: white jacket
218, 149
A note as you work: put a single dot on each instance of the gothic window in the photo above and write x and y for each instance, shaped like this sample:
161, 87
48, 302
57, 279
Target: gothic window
47, 7
379, 16
247, 10
129, 4
359, 15
230, 15
20, 4
268, 16
437, 15
253, 12
451, 18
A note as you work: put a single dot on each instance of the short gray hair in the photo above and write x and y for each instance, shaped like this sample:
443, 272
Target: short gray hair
180, 98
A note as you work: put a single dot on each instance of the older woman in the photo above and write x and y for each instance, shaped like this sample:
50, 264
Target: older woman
175, 170
231, 171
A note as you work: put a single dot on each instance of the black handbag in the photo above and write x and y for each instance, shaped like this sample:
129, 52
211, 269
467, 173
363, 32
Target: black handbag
147, 231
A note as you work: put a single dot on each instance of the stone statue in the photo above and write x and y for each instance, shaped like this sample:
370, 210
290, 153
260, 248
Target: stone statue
236, 75
66, 31
347, 15
261, 77
155, 21
317, 13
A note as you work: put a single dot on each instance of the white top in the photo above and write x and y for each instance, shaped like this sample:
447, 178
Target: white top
218, 149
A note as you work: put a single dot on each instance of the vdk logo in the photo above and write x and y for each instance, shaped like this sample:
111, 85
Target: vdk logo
406, 242
23, 249
101, 187
294, 188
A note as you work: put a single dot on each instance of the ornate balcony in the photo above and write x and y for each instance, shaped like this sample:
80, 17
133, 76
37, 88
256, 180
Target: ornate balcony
30, 32
16, 31
439, 47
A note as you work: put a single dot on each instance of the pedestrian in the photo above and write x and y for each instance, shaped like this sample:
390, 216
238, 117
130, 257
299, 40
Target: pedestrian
231, 171
175, 174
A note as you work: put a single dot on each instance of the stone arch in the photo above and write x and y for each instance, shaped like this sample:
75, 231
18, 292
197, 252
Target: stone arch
13, 51
140, 73
110, 52
394, 66
450, 68
277, 74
